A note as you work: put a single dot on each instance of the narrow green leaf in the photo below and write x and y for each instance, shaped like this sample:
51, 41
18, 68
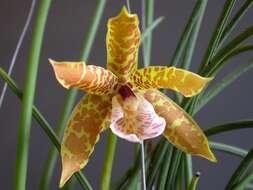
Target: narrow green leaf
242, 169
229, 127
219, 29
226, 50
234, 21
122, 180
191, 42
228, 149
188, 169
180, 177
220, 86
28, 97
156, 161
171, 174
212, 71
44, 125
151, 27
71, 97
186, 33
167, 162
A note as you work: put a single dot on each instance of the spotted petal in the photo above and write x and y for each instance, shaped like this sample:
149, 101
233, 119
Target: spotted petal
134, 119
89, 78
89, 118
122, 42
181, 130
185, 82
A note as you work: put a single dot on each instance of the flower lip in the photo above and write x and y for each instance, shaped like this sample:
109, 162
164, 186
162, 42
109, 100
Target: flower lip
126, 92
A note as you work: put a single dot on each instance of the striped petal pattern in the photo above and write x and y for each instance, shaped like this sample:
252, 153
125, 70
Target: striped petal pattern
89, 78
134, 119
187, 83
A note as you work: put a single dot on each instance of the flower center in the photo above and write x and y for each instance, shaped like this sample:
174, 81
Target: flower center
125, 92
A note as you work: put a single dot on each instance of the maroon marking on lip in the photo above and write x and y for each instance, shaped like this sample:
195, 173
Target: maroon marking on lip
125, 92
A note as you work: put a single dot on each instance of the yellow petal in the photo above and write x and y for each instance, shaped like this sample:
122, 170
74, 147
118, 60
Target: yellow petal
185, 82
89, 118
181, 130
122, 42
89, 78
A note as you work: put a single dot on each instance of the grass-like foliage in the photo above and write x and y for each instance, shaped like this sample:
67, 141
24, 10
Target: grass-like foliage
167, 168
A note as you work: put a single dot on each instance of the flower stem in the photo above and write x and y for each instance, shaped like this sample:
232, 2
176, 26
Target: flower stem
108, 161
143, 166
29, 91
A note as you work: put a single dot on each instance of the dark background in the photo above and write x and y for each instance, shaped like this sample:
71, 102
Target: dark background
64, 35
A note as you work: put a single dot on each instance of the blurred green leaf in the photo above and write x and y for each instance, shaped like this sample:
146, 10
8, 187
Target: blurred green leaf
156, 162
191, 42
212, 71
44, 125
148, 20
234, 21
219, 29
220, 86
31, 72
198, 8
226, 50
151, 27
244, 182
241, 170
228, 149
167, 161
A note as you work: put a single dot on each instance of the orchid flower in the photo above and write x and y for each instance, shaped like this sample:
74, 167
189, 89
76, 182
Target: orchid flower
127, 100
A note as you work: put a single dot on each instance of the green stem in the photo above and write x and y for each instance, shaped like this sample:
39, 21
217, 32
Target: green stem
44, 125
188, 169
194, 182
108, 161
29, 91
71, 96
